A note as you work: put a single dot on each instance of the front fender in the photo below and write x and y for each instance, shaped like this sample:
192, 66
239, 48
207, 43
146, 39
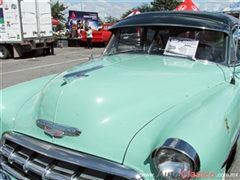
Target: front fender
12, 98
209, 122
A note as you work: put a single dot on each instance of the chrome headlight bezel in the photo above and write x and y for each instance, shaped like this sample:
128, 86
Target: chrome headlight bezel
181, 149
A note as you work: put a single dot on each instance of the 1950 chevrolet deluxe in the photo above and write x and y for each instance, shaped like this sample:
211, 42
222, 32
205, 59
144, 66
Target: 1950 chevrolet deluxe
162, 102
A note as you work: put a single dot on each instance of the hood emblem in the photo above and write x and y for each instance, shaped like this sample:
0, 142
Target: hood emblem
57, 130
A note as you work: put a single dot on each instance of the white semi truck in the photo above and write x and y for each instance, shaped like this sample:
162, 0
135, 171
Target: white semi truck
25, 26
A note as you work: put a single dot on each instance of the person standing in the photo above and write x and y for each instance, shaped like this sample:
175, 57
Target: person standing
89, 37
79, 29
86, 24
70, 23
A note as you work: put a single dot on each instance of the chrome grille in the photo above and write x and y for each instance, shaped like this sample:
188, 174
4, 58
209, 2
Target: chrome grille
28, 158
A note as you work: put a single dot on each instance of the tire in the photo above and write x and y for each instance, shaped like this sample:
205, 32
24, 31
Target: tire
4, 53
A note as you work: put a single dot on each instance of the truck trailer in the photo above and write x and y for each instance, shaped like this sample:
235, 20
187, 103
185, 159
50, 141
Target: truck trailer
25, 26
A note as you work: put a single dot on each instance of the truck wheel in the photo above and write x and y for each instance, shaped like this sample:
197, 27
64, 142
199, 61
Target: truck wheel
4, 53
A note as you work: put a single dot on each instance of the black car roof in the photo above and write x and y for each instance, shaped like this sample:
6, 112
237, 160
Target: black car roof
194, 19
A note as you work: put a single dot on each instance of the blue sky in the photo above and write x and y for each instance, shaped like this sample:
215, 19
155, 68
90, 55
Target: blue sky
116, 8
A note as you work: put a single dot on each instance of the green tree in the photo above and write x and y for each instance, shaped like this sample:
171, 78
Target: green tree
110, 19
145, 7
58, 13
100, 22
156, 5
161, 5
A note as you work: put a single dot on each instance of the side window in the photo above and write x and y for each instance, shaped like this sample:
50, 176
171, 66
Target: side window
238, 49
235, 47
232, 52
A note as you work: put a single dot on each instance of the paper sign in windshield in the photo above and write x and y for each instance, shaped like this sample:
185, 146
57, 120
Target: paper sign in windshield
184, 47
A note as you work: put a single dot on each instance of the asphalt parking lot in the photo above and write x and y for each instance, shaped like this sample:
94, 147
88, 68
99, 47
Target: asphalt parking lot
14, 71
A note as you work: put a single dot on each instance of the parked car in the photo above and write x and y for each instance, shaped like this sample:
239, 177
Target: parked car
166, 107
131, 36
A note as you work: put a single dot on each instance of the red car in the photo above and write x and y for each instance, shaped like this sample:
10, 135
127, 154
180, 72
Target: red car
99, 36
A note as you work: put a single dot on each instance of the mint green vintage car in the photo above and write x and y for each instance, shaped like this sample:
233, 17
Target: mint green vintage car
162, 102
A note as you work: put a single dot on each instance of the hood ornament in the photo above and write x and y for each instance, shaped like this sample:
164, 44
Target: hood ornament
82, 73
57, 130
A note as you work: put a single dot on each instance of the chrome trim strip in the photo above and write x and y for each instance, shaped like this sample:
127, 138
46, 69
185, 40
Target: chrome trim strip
65, 155
183, 147
8, 169
4, 176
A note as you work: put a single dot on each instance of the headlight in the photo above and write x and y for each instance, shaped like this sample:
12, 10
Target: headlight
175, 158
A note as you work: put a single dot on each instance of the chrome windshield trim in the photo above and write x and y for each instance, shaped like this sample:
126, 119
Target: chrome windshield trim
70, 156
183, 147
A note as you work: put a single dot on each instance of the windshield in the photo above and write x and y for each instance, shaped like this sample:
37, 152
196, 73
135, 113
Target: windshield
196, 44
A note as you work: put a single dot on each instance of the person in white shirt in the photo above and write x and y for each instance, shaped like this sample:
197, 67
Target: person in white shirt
89, 37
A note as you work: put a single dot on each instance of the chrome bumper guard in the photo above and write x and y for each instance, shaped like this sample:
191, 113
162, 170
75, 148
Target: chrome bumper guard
27, 158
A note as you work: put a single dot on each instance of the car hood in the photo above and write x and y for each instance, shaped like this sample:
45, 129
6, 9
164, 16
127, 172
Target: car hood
110, 100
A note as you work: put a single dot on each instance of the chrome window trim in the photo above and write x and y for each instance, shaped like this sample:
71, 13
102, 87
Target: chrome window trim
234, 28
66, 155
232, 65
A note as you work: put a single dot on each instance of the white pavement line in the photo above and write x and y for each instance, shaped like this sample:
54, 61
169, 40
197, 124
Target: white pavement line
71, 52
41, 66
50, 56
